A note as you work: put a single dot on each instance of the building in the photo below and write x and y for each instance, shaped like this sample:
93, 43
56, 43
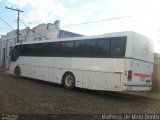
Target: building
157, 58
6, 45
156, 75
48, 31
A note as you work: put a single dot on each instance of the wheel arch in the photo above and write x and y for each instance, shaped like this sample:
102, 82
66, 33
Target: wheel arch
67, 72
17, 67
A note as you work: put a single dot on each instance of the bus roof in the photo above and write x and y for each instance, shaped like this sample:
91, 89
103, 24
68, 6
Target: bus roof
113, 34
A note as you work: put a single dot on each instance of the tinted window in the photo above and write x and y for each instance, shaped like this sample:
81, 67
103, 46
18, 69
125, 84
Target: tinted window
33, 50
85, 48
15, 54
52, 49
40, 49
102, 49
90, 46
69, 49
57, 49
25, 50
118, 46
79, 49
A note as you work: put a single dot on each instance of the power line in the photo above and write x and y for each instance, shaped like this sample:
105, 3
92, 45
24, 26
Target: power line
7, 24
72, 25
4, 28
23, 22
82, 23
95, 21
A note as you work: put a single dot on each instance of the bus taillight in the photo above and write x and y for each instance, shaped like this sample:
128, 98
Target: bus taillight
129, 75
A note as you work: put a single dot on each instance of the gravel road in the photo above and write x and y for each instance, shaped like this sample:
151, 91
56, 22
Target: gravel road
26, 96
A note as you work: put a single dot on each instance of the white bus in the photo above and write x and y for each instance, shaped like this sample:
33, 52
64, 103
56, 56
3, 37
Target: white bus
121, 61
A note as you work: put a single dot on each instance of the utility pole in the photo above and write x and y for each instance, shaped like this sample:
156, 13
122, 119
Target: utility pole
17, 21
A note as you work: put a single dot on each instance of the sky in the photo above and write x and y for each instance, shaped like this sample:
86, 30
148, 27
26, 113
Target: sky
141, 16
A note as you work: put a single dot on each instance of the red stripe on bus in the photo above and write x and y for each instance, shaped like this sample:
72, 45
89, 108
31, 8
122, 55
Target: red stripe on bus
142, 75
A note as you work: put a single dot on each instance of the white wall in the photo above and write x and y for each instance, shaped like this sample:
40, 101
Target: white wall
7, 41
43, 32
40, 32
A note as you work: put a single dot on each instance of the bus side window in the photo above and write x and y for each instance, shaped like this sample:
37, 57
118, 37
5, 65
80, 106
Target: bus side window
69, 49
90, 48
102, 49
118, 47
79, 48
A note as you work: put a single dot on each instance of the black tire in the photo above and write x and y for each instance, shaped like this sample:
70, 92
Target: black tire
68, 81
17, 72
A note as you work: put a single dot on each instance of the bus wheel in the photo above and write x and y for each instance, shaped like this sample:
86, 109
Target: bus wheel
68, 81
17, 72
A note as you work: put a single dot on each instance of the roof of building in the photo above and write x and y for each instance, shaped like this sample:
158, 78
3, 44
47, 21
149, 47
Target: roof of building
65, 34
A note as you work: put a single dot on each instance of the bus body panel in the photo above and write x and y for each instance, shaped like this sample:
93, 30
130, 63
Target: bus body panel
139, 47
141, 75
88, 74
91, 64
106, 81
139, 60
12, 67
